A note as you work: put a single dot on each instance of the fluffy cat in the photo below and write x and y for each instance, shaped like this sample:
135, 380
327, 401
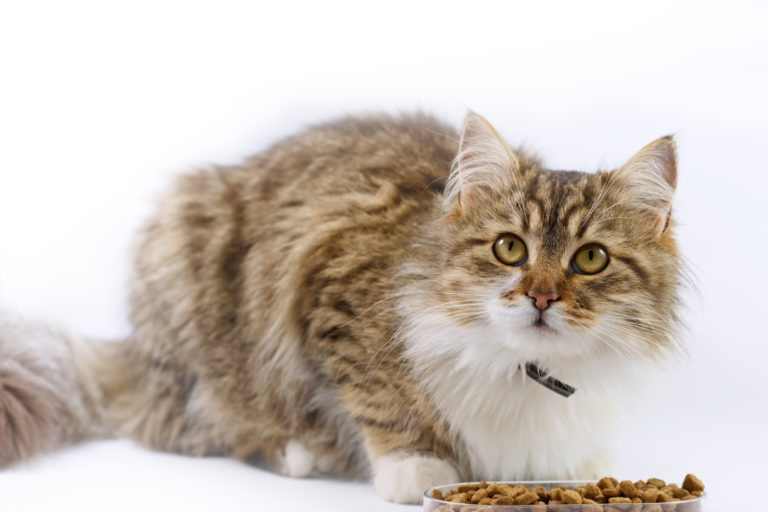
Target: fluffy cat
363, 299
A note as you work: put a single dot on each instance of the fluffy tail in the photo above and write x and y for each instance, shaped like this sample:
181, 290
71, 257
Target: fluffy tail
52, 388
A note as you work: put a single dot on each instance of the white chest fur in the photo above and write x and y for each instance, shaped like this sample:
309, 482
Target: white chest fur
513, 427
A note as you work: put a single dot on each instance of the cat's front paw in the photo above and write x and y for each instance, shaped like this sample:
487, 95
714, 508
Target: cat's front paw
597, 466
404, 479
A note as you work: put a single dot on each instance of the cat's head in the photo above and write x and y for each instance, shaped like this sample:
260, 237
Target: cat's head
559, 264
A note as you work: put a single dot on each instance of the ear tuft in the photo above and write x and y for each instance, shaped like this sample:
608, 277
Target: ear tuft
483, 164
649, 179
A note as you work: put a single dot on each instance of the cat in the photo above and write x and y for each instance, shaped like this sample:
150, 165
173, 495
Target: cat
378, 297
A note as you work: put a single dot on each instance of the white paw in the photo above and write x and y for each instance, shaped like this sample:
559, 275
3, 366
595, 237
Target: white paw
596, 467
297, 461
404, 479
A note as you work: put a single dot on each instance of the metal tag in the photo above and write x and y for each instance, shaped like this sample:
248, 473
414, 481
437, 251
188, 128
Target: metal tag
561, 388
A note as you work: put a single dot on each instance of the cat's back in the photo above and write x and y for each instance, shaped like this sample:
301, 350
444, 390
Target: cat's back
413, 152
339, 202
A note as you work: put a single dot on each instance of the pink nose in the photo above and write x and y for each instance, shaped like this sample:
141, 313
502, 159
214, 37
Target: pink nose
542, 300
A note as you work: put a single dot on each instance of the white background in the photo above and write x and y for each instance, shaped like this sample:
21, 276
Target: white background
100, 103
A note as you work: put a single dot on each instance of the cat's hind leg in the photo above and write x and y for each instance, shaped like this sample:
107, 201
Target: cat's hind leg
297, 460
160, 404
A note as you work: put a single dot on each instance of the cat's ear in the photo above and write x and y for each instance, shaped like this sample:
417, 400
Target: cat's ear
483, 165
648, 181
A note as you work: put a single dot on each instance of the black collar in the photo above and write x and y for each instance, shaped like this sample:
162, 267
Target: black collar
561, 388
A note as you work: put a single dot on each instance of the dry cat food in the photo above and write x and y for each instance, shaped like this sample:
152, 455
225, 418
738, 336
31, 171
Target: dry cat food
606, 490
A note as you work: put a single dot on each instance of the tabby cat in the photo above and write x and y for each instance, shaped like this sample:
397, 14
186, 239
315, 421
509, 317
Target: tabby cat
377, 297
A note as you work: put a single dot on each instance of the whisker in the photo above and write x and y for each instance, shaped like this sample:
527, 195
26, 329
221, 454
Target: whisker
391, 297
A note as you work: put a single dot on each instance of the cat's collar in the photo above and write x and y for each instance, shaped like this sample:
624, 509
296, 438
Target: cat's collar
551, 383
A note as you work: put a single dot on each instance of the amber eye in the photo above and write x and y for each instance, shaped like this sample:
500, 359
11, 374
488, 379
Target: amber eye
510, 250
590, 259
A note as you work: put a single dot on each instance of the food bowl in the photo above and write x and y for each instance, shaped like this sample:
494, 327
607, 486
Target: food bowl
435, 505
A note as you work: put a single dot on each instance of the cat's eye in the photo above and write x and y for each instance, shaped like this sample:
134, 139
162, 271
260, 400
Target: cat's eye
510, 250
590, 259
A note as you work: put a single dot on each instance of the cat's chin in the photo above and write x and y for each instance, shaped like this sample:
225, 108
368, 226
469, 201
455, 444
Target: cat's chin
555, 345
548, 337
543, 328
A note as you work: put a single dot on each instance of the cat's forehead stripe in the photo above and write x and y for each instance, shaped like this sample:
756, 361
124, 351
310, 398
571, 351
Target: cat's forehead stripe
556, 202
562, 200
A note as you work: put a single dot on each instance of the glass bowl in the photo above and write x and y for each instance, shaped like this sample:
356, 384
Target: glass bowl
434, 505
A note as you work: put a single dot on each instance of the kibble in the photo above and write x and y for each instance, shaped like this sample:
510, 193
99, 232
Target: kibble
591, 491
607, 483
627, 488
692, 483
542, 493
605, 490
527, 498
572, 497
650, 495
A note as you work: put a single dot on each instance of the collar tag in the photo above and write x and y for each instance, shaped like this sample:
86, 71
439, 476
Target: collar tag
561, 388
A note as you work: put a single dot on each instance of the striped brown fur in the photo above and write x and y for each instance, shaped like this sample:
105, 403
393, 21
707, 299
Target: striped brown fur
267, 297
